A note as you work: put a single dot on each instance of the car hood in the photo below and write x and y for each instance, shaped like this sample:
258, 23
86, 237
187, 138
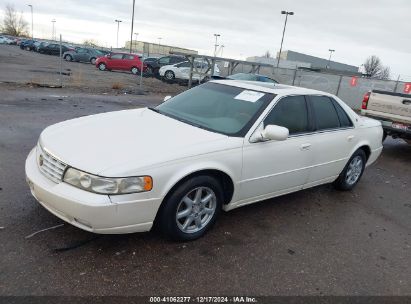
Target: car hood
133, 139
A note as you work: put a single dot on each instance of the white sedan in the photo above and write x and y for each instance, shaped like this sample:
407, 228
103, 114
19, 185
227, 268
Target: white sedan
181, 71
218, 146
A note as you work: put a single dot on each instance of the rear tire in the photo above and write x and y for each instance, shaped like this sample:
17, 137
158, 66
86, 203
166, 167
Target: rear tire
352, 172
191, 209
68, 58
93, 61
135, 70
169, 75
384, 136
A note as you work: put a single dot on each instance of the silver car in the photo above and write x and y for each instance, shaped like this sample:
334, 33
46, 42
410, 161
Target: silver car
83, 55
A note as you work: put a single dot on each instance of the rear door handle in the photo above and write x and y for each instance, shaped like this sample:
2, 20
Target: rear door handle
305, 147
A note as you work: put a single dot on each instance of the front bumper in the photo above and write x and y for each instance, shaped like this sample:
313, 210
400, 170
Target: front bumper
89, 211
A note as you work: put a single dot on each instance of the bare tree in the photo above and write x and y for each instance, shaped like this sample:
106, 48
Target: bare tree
375, 69
267, 54
14, 23
90, 42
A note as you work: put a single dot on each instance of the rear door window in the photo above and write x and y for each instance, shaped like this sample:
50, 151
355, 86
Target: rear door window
325, 114
117, 56
345, 121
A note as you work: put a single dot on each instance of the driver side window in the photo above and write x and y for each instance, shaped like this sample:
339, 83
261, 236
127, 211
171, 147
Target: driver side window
290, 112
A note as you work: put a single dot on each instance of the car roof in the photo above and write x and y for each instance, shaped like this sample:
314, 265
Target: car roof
278, 89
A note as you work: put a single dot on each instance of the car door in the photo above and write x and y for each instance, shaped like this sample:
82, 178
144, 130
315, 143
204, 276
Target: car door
128, 62
81, 55
114, 61
182, 70
333, 140
275, 167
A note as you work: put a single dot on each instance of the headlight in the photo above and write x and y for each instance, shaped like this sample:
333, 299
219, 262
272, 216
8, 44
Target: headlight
105, 185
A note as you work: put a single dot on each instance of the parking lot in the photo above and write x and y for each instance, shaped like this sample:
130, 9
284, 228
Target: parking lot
315, 242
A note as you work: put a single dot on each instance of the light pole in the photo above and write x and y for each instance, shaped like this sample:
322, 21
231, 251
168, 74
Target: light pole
222, 49
282, 39
31, 8
136, 34
159, 41
52, 34
118, 28
215, 45
132, 27
329, 59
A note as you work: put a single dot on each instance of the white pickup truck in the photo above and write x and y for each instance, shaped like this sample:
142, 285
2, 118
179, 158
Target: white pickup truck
392, 109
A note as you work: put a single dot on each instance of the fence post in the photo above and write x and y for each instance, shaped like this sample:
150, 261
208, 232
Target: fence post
396, 84
61, 65
295, 75
339, 85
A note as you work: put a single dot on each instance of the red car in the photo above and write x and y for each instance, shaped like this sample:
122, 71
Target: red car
121, 61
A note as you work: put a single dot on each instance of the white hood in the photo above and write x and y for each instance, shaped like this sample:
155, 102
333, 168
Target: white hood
138, 138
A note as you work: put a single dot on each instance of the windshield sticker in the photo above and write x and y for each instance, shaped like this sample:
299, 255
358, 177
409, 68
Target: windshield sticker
251, 96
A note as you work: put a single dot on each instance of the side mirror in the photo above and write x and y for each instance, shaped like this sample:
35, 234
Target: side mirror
167, 98
273, 132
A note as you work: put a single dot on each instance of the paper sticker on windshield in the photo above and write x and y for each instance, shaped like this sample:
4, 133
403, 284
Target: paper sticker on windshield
251, 96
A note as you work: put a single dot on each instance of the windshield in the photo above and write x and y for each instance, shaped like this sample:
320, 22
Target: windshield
219, 108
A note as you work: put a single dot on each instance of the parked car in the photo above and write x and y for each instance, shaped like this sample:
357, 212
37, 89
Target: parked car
220, 145
28, 45
181, 71
41, 45
121, 62
5, 40
83, 55
54, 49
20, 41
251, 77
150, 61
392, 109
153, 67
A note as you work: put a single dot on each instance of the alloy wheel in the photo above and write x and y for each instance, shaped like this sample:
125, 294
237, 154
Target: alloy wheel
354, 170
196, 210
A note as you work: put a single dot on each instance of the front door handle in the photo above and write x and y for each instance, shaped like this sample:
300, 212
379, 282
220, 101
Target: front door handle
305, 147
350, 138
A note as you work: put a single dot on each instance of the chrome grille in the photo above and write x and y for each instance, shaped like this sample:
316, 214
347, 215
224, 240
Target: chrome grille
50, 166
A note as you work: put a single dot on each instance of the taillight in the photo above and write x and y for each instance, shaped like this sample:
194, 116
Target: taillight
365, 101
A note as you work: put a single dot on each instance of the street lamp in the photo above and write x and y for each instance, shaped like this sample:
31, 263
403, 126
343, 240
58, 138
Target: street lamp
118, 28
53, 34
136, 34
222, 49
282, 39
215, 45
329, 59
132, 27
32, 34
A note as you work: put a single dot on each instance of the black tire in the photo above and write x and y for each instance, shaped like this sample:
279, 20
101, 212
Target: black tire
149, 70
93, 61
343, 182
102, 67
167, 220
169, 76
68, 58
135, 71
384, 136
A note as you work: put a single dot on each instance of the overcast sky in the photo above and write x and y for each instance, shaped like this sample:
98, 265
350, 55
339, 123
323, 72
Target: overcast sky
354, 28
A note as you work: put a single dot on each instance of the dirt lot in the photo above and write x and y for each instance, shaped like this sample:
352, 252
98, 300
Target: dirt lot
23, 68
315, 242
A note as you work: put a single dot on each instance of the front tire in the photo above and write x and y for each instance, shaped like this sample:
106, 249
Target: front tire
169, 75
68, 58
102, 67
352, 172
135, 70
191, 209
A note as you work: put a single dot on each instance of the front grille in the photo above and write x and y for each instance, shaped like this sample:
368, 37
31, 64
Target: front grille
50, 166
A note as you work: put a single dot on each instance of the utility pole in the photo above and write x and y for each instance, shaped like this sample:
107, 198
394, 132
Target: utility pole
282, 39
329, 59
32, 34
53, 37
132, 28
215, 45
222, 49
118, 28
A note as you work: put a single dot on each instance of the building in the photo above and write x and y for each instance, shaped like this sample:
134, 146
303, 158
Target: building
286, 64
317, 63
155, 49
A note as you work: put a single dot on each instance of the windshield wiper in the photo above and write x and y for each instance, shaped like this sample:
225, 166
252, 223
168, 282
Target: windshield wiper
154, 110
